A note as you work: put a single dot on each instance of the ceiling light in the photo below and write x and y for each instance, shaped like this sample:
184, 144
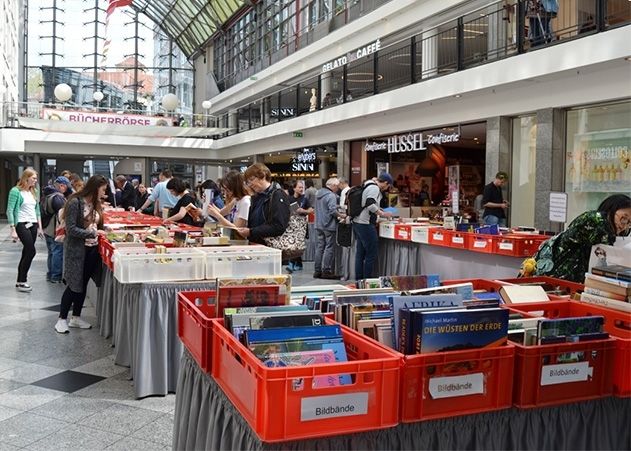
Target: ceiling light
457, 96
628, 58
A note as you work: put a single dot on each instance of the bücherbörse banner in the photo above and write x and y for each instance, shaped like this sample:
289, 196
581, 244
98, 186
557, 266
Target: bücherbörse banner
105, 118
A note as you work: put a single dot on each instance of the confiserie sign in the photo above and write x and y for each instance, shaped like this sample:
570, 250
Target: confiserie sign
361, 52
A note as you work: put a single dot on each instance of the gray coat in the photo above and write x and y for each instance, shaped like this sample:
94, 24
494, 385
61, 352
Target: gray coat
74, 244
326, 210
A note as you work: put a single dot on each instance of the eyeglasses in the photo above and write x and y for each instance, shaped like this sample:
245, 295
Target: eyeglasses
624, 219
249, 181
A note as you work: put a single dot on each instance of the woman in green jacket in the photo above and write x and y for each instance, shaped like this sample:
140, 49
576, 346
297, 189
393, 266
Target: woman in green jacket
25, 222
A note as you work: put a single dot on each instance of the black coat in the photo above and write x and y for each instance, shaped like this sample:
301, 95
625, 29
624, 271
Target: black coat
128, 196
269, 214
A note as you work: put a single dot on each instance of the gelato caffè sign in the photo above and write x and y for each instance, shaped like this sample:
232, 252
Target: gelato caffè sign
411, 142
361, 52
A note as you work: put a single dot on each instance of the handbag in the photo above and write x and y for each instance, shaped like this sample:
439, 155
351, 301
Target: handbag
344, 234
60, 231
292, 241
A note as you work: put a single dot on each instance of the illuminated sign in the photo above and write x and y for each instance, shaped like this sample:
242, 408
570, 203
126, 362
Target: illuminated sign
304, 161
361, 52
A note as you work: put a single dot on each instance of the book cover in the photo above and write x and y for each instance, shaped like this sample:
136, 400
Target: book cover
367, 326
451, 330
463, 289
383, 332
240, 322
397, 303
247, 296
618, 272
283, 282
228, 312
356, 310
601, 301
569, 328
515, 294
607, 294
319, 357
406, 283
271, 321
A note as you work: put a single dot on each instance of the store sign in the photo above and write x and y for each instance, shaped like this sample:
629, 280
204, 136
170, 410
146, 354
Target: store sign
361, 52
442, 138
411, 142
104, 118
304, 161
375, 146
283, 112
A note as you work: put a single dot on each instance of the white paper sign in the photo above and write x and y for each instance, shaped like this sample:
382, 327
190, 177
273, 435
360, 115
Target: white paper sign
565, 372
558, 207
452, 386
457, 240
479, 244
438, 237
506, 246
320, 407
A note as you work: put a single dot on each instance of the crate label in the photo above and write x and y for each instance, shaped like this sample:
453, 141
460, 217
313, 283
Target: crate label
479, 244
506, 246
565, 372
438, 237
457, 240
452, 386
403, 234
321, 407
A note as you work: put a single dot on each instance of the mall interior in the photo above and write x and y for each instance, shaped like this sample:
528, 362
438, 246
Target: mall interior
441, 94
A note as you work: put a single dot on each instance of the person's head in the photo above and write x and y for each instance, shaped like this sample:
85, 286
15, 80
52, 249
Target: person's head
384, 181
287, 187
28, 180
233, 185
142, 189
617, 210
92, 192
500, 178
66, 173
135, 183
343, 182
62, 184
333, 184
258, 177
299, 188
76, 181
165, 175
176, 187
120, 181
308, 183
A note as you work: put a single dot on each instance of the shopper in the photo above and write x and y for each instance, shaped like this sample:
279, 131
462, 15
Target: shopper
128, 193
161, 196
83, 216
310, 192
215, 193
364, 225
141, 197
23, 214
237, 209
326, 225
493, 202
344, 189
76, 181
269, 212
53, 201
299, 206
181, 209
566, 255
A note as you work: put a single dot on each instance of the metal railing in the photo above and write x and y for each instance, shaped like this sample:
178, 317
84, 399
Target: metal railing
498, 31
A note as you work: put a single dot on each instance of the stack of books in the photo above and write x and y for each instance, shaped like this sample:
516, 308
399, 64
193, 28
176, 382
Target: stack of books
608, 286
541, 331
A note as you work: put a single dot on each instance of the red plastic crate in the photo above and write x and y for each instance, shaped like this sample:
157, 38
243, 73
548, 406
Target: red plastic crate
269, 402
518, 245
438, 237
458, 240
195, 318
482, 243
534, 387
106, 250
572, 287
479, 284
448, 384
403, 232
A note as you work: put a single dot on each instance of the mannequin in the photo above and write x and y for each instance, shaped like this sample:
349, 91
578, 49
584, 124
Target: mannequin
313, 101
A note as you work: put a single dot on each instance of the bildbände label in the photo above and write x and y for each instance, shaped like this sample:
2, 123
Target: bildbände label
452, 386
321, 407
565, 372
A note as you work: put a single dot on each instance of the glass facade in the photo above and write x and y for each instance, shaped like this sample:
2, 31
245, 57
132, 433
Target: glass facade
523, 172
598, 155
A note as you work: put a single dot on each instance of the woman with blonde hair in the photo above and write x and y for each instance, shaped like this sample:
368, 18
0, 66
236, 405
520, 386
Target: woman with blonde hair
25, 222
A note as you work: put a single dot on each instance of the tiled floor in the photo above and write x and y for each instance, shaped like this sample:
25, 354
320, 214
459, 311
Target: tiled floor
60, 392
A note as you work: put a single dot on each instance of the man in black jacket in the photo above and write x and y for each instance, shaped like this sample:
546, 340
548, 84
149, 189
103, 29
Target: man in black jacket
128, 193
269, 210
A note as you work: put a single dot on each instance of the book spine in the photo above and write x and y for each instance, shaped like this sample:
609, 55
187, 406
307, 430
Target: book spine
605, 294
616, 277
607, 284
605, 302
404, 323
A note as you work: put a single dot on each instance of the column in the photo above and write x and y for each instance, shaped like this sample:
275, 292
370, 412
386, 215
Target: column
429, 52
344, 159
326, 86
498, 151
233, 117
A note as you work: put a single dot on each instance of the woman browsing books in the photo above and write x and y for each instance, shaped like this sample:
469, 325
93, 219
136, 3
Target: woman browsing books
235, 213
184, 211
566, 255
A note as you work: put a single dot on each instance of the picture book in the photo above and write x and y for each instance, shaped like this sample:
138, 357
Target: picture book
383, 332
247, 296
271, 321
406, 283
618, 272
303, 358
367, 326
568, 329
451, 330
264, 342
368, 283
397, 303
228, 312
283, 282
463, 289
239, 322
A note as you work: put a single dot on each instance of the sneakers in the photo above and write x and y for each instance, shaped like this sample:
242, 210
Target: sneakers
77, 322
62, 326
297, 268
23, 287
290, 267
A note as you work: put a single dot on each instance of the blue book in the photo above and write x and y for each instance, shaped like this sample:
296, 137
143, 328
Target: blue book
397, 303
266, 342
453, 330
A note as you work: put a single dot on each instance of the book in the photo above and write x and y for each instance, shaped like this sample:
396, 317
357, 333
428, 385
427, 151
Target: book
264, 342
195, 213
383, 332
607, 294
355, 311
602, 301
608, 284
568, 328
618, 272
451, 330
463, 289
240, 322
283, 282
448, 300
247, 296
270, 321
303, 358
367, 326
405, 283
229, 311
516, 294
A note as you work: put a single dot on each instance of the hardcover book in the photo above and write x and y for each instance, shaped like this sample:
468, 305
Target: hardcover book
463, 289
607, 294
283, 282
608, 284
247, 296
618, 272
228, 312
271, 321
240, 322
569, 329
367, 326
452, 330
303, 358
406, 283
602, 301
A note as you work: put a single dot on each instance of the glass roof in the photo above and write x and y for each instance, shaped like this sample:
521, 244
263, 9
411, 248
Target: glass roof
190, 23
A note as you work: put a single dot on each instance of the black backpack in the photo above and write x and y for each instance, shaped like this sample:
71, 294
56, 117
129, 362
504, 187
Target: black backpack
354, 199
46, 208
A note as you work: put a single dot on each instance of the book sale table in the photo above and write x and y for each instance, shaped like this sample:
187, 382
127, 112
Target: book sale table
206, 419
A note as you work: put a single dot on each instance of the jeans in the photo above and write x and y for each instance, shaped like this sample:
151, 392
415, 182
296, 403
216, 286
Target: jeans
55, 259
540, 30
492, 219
325, 255
27, 237
76, 300
366, 250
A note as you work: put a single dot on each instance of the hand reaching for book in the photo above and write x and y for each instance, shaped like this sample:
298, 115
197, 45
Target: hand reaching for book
214, 211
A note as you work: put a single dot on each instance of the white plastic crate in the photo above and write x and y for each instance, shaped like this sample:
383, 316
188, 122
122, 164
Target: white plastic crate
420, 234
386, 230
135, 265
242, 261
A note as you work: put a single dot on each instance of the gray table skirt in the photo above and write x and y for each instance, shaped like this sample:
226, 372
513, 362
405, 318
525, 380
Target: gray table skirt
141, 320
206, 419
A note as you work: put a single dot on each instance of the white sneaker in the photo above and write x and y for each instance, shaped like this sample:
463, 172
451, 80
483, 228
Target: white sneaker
24, 287
76, 321
62, 326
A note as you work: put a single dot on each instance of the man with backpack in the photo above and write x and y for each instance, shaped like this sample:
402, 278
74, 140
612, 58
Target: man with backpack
52, 201
364, 208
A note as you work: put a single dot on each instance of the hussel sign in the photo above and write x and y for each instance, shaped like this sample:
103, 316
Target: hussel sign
411, 142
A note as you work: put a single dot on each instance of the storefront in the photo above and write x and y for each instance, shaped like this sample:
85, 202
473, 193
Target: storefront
428, 166
316, 163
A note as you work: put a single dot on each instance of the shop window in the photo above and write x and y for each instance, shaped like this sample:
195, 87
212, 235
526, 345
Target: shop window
598, 157
522, 181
